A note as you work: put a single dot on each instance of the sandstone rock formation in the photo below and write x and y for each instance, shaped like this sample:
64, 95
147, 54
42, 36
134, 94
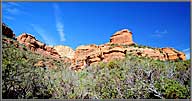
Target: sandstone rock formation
86, 55
122, 37
36, 46
172, 54
81, 54
16, 44
7, 31
91, 54
114, 53
120, 44
65, 51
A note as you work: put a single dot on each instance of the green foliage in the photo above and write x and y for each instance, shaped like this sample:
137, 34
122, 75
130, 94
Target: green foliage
112, 64
172, 89
130, 78
113, 45
20, 78
141, 46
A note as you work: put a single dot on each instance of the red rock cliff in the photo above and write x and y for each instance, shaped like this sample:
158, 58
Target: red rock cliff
36, 46
122, 37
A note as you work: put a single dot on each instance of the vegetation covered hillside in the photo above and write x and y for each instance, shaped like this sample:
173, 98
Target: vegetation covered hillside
132, 77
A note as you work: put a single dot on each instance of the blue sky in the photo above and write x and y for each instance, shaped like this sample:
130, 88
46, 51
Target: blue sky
155, 24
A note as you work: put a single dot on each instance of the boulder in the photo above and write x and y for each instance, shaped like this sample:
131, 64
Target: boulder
122, 37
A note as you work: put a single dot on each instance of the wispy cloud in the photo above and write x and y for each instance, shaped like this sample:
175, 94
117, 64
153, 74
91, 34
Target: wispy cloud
14, 4
59, 24
187, 52
44, 34
159, 33
8, 17
13, 11
10, 9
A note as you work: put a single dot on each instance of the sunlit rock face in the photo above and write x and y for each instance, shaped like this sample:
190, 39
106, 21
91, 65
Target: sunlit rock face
120, 44
36, 46
173, 54
122, 37
65, 51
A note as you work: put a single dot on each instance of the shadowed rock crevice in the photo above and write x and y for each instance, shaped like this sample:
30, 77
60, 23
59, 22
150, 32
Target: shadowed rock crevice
7, 31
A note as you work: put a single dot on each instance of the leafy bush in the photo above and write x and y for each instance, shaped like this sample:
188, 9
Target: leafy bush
141, 46
130, 78
172, 89
113, 45
112, 64
20, 78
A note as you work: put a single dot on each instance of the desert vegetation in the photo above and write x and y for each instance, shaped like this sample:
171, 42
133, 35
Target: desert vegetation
130, 78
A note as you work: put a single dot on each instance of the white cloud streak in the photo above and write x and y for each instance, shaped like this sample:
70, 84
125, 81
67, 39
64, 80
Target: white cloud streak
14, 4
8, 17
10, 9
159, 34
44, 34
187, 52
59, 24
13, 11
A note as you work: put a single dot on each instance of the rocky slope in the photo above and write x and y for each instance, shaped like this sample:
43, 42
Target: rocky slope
29, 41
36, 46
65, 51
120, 44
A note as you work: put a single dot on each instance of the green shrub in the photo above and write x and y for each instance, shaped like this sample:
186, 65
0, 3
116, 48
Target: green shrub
172, 89
130, 78
113, 45
112, 64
